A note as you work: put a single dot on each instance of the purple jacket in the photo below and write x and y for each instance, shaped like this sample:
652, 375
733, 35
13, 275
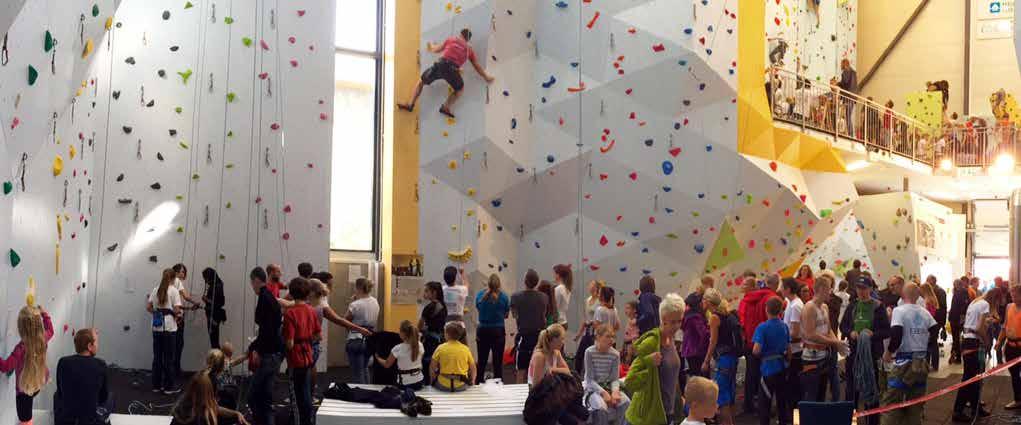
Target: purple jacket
696, 334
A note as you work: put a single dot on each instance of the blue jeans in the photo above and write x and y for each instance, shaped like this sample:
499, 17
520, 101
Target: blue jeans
358, 358
163, 360
260, 395
834, 377
301, 382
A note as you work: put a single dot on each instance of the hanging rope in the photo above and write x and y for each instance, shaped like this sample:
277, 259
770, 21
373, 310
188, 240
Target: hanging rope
864, 370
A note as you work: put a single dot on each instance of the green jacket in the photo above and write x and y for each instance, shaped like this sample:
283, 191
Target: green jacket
643, 382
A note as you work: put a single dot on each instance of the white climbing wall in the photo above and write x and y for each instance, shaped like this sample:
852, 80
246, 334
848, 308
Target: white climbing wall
607, 141
906, 233
242, 177
65, 86
841, 249
817, 42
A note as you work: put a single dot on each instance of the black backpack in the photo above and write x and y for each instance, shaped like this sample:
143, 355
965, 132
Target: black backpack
730, 339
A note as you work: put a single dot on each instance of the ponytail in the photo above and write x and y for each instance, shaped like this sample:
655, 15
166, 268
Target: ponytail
547, 335
606, 295
168, 278
409, 333
494, 289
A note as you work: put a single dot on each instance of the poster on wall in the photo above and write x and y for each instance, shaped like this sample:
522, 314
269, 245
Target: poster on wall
925, 234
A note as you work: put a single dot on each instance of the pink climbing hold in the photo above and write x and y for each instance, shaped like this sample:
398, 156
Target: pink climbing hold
310, 165
287, 209
294, 63
301, 12
291, 39
15, 123
258, 200
633, 176
264, 44
286, 236
323, 116
263, 75
274, 126
603, 240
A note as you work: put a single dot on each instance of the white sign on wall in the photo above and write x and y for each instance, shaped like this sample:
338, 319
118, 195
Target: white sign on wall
996, 9
995, 28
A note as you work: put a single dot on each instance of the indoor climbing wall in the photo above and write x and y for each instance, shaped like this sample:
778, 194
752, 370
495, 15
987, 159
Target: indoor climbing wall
841, 249
48, 127
213, 152
904, 232
608, 141
816, 39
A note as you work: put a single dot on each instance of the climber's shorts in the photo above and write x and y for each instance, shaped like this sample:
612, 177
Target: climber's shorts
444, 70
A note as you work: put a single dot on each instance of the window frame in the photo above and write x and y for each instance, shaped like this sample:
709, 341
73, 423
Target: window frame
377, 143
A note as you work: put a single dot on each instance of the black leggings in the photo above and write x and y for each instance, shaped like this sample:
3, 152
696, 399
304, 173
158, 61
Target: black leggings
490, 342
23, 403
214, 334
970, 395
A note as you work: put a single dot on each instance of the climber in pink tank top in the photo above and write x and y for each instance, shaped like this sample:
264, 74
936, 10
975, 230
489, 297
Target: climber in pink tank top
454, 52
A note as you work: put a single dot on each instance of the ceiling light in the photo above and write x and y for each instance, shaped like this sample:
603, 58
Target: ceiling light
857, 165
946, 164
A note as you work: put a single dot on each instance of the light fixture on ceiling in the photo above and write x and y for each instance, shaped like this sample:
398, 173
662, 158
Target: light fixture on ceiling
946, 164
857, 165
1003, 164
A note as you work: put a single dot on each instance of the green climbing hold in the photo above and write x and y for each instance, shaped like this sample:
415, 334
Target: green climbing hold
231, 96
228, 205
183, 145
32, 75
95, 10
49, 42
179, 109
230, 133
229, 166
188, 5
185, 75
825, 213
8, 187
195, 176
228, 20
179, 197
247, 41
15, 259
180, 229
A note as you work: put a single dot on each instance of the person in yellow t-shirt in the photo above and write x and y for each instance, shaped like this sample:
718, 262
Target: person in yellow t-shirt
453, 366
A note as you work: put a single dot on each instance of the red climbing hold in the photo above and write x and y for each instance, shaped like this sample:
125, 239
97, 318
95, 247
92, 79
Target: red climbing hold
658, 48
772, 165
603, 241
633, 176
675, 151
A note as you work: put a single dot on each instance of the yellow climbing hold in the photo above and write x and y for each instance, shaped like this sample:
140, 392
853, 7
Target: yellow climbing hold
467, 155
462, 256
30, 294
87, 49
451, 121
452, 165
470, 213
71, 151
109, 23
58, 165
471, 192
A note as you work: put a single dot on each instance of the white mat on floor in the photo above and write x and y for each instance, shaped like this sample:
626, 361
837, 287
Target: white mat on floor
491, 404
43, 417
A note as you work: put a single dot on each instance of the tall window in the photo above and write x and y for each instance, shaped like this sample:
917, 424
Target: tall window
358, 77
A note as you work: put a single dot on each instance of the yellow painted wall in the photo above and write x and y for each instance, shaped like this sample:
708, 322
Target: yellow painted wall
401, 233
932, 49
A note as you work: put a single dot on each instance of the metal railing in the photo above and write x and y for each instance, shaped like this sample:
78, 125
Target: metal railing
827, 108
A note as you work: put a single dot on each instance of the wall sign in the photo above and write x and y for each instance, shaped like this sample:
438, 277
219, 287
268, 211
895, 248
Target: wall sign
996, 9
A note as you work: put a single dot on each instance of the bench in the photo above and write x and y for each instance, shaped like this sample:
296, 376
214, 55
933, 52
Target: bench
43, 417
491, 404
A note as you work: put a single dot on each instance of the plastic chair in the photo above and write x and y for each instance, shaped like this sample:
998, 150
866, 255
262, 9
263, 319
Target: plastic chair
834, 413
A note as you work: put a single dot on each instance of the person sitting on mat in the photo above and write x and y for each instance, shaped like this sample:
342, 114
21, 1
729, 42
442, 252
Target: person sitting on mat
455, 51
453, 366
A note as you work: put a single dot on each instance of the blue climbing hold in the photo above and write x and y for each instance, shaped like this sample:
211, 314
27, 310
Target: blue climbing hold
668, 168
701, 196
895, 263
561, 4
496, 202
544, 99
634, 234
699, 248
710, 28
682, 62
528, 34
700, 87
731, 70
667, 189
708, 51
623, 269
499, 228
550, 159
646, 271
783, 241
506, 93
520, 169
669, 210
677, 126
708, 148
514, 123
649, 142
688, 31
686, 102
549, 83
705, 2
645, 250
574, 64
537, 244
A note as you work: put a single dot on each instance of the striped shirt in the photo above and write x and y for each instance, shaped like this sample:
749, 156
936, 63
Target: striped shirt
602, 370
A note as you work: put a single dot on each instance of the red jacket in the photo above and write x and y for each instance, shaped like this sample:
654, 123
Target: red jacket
752, 311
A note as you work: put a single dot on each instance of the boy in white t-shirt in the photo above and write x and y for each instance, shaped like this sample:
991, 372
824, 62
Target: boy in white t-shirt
454, 295
909, 344
700, 395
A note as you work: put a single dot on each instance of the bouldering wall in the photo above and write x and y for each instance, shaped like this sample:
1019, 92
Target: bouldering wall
841, 249
904, 232
815, 41
216, 138
48, 128
609, 141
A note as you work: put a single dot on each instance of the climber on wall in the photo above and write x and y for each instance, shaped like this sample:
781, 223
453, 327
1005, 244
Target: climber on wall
455, 51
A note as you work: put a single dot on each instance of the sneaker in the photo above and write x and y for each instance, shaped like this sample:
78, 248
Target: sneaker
171, 391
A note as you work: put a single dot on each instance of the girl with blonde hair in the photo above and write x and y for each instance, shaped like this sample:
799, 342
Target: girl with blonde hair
493, 307
546, 358
586, 333
722, 349
408, 357
28, 360
198, 405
